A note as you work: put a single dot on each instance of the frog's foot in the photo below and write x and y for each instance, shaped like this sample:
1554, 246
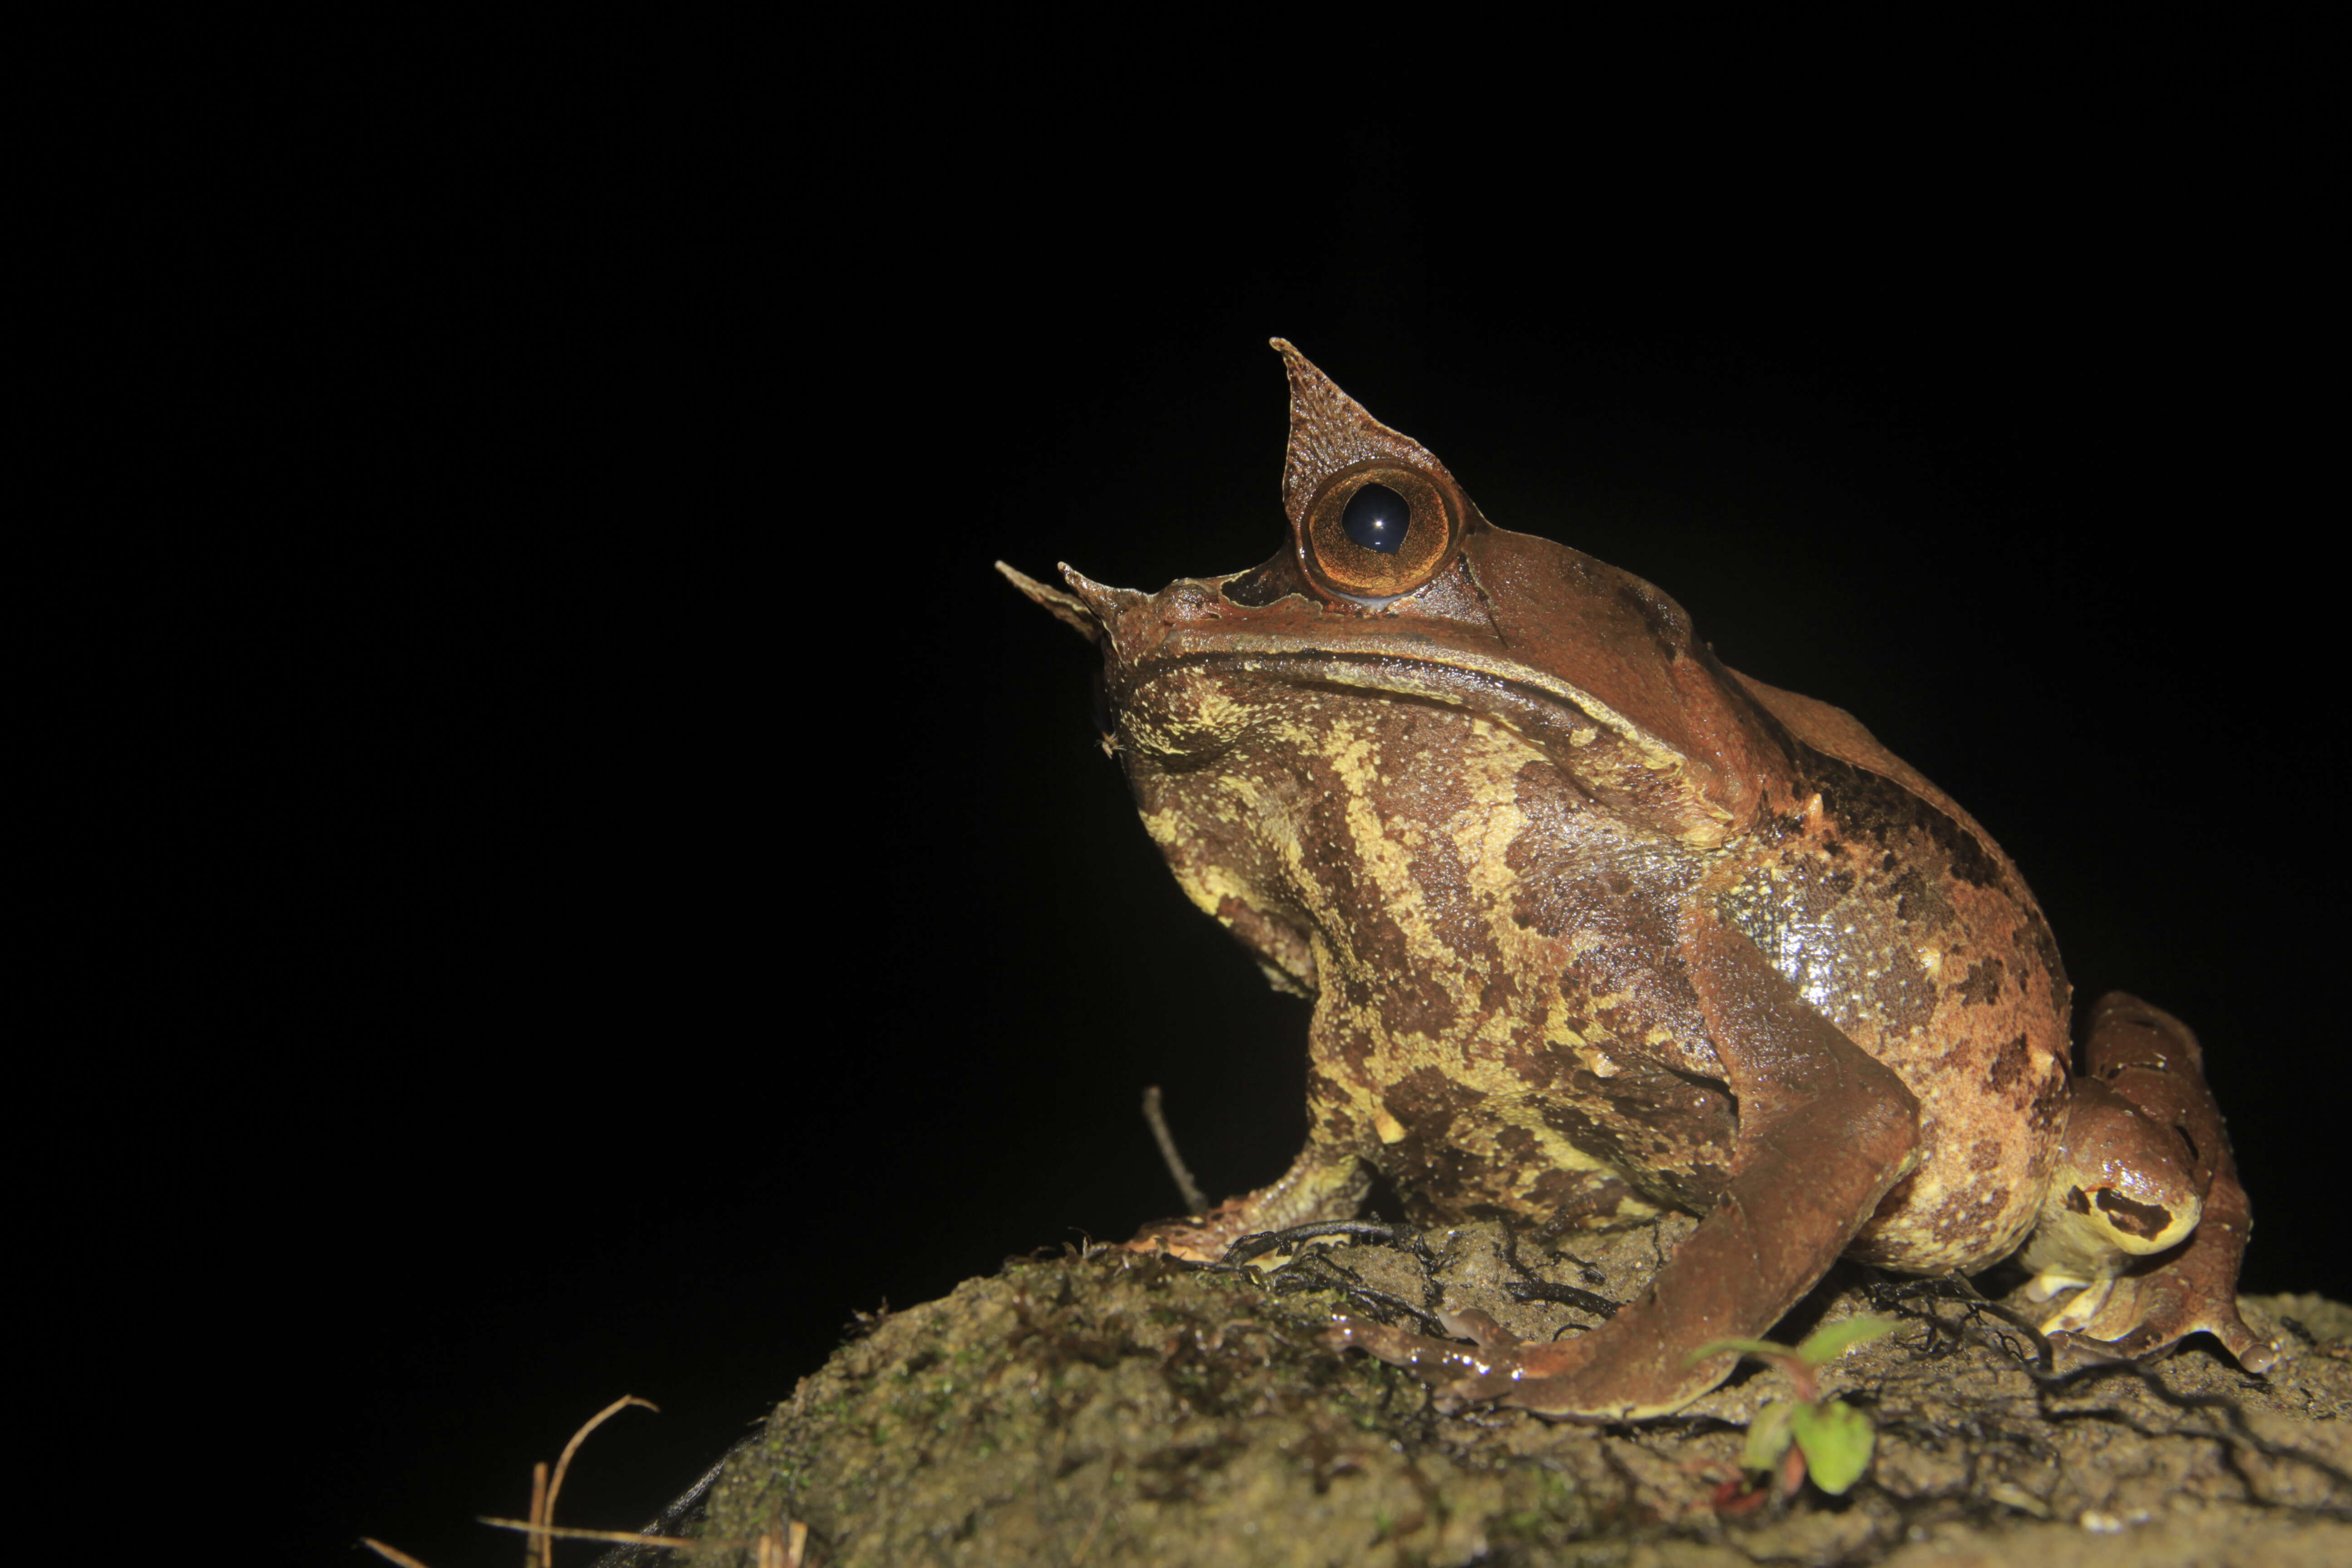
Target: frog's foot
1490, 1367
1319, 1186
1199, 1239
2090, 1295
1422, 1354
1206, 1238
2046, 1285
1563, 1378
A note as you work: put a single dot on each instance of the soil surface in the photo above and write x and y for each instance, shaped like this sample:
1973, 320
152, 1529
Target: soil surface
1105, 1407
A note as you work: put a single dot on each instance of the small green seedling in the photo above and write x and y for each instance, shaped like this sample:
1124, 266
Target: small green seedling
1830, 1441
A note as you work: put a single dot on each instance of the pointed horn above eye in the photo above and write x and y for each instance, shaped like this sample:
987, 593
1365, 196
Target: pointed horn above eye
1329, 431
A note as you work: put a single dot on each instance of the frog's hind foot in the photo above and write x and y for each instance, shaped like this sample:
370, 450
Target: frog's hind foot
1492, 1365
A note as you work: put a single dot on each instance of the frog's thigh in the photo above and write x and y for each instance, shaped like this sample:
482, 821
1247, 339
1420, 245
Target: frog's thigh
1824, 1131
2151, 1058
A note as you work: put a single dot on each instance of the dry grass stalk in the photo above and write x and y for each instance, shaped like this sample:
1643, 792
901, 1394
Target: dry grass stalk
541, 1530
563, 1462
390, 1553
533, 1552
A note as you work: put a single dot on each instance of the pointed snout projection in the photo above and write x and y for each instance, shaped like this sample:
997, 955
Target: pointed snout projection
1089, 611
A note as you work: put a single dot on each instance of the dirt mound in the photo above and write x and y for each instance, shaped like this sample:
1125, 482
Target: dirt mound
1110, 1408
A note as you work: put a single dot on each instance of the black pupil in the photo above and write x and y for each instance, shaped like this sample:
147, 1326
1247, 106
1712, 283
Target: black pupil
1377, 519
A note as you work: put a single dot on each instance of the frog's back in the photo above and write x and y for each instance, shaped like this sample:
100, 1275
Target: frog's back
1835, 733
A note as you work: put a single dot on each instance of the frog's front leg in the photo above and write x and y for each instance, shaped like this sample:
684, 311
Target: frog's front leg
2147, 1161
1324, 1182
1824, 1131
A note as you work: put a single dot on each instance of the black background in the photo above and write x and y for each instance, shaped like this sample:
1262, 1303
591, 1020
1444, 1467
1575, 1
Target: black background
608, 883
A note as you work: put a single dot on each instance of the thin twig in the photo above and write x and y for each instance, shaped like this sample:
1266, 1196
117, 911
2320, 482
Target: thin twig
534, 1549
394, 1554
788, 1548
570, 1532
1195, 1201
564, 1463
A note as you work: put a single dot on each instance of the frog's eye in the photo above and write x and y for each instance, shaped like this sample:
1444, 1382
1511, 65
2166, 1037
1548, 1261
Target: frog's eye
1377, 529
1376, 518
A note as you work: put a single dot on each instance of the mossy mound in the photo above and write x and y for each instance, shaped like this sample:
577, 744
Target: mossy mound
1110, 1408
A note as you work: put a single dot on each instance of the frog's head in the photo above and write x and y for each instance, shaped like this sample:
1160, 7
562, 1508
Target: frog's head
1390, 583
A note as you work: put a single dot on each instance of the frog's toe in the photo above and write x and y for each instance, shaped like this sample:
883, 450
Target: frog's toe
1538, 1377
2080, 1311
1479, 1329
1500, 1367
1199, 1239
1186, 1239
1467, 1393
2047, 1284
1400, 1347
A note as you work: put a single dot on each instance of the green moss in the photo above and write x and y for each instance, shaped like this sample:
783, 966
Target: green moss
1124, 1410
1117, 1407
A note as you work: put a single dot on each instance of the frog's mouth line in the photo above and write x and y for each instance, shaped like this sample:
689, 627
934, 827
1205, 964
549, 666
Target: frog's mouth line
1608, 755
1547, 709
1550, 713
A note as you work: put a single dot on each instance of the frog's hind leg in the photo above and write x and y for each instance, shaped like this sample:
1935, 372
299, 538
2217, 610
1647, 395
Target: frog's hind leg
2151, 1060
1825, 1130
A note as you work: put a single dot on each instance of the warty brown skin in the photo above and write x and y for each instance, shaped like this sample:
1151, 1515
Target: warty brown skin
1592, 925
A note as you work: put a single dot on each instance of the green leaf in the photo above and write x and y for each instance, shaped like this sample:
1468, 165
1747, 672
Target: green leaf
1745, 1347
1836, 1439
1828, 1343
1767, 1437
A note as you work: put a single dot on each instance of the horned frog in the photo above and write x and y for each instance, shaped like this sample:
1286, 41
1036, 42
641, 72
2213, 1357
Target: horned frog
1595, 926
